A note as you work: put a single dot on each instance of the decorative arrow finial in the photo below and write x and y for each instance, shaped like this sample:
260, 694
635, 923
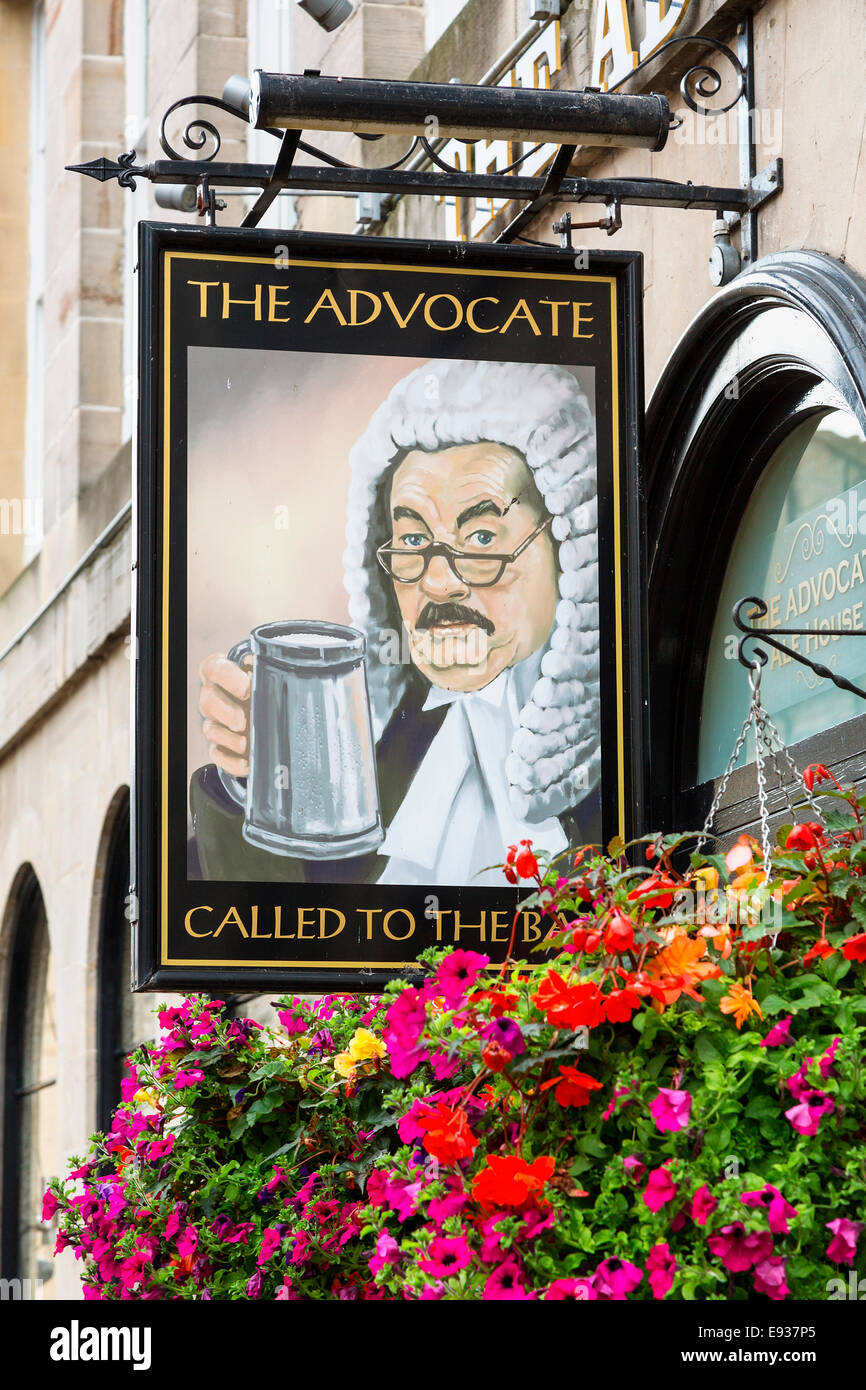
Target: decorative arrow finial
122, 169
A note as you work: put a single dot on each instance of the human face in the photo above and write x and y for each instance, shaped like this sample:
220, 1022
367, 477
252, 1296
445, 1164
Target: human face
475, 498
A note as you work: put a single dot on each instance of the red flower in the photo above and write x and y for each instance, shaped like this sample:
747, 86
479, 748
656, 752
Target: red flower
446, 1131
569, 1006
509, 1181
855, 947
620, 1004
520, 862
805, 836
501, 1002
821, 949
656, 890
816, 772
573, 1087
619, 934
495, 1057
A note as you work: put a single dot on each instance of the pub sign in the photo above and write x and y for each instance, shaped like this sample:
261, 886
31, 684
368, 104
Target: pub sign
389, 604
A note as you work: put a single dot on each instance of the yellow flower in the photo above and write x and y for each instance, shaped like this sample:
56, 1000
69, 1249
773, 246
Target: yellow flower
739, 1002
706, 879
364, 1046
146, 1096
344, 1064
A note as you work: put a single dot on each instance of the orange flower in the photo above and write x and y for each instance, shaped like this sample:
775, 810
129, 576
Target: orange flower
741, 854
509, 1181
739, 1002
678, 967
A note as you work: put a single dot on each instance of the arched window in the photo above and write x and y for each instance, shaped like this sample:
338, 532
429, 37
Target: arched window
30, 1104
115, 1017
756, 470
801, 546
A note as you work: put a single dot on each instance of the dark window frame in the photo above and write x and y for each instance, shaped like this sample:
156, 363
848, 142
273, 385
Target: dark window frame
30, 936
114, 971
785, 341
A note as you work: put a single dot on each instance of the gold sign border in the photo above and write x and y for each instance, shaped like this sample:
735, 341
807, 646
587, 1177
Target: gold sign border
168, 258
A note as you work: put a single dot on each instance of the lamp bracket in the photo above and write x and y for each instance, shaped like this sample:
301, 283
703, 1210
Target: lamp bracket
422, 170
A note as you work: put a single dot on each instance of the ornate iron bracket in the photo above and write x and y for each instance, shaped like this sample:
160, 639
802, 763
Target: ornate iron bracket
770, 634
328, 174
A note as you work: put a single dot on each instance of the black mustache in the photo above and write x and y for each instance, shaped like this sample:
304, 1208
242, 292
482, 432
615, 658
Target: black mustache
436, 614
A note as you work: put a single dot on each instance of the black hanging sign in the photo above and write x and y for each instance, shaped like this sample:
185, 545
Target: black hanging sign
389, 607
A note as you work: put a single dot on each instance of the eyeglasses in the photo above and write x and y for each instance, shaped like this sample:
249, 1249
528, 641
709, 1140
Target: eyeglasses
478, 569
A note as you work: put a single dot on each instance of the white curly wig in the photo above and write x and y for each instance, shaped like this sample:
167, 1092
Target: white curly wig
541, 412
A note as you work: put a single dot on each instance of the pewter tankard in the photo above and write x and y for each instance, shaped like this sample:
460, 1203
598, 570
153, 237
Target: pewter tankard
312, 791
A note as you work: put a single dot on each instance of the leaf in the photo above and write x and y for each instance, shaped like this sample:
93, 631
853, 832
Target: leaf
773, 1004
593, 1146
836, 968
782, 835
717, 861
858, 910
762, 1108
705, 1050
616, 847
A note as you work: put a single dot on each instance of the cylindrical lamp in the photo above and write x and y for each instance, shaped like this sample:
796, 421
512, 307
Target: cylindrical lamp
370, 106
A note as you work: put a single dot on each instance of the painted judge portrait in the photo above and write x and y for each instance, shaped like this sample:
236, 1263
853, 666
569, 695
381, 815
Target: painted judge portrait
471, 567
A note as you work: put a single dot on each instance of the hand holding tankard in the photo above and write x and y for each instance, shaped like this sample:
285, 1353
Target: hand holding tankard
299, 730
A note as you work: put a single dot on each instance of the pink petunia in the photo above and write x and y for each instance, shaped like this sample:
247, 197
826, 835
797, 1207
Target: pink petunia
634, 1166
453, 1200
49, 1205
769, 1277
827, 1063
458, 972
806, 1116
160, 1148
703, 1206
798, 1084
779, 1212
738, 1250
661, 1267
660, 1189
443, 1066
270, 1243
843, 1246
387, 1253
671, 1109
505, 1283
618, 1093
176, 1220
446, 1255
616, 1279
575, 1290
187, 1242
402, 1197
188, 1078
403, 1059
780, 1034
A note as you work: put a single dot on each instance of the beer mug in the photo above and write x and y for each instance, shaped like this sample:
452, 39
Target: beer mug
312, 791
